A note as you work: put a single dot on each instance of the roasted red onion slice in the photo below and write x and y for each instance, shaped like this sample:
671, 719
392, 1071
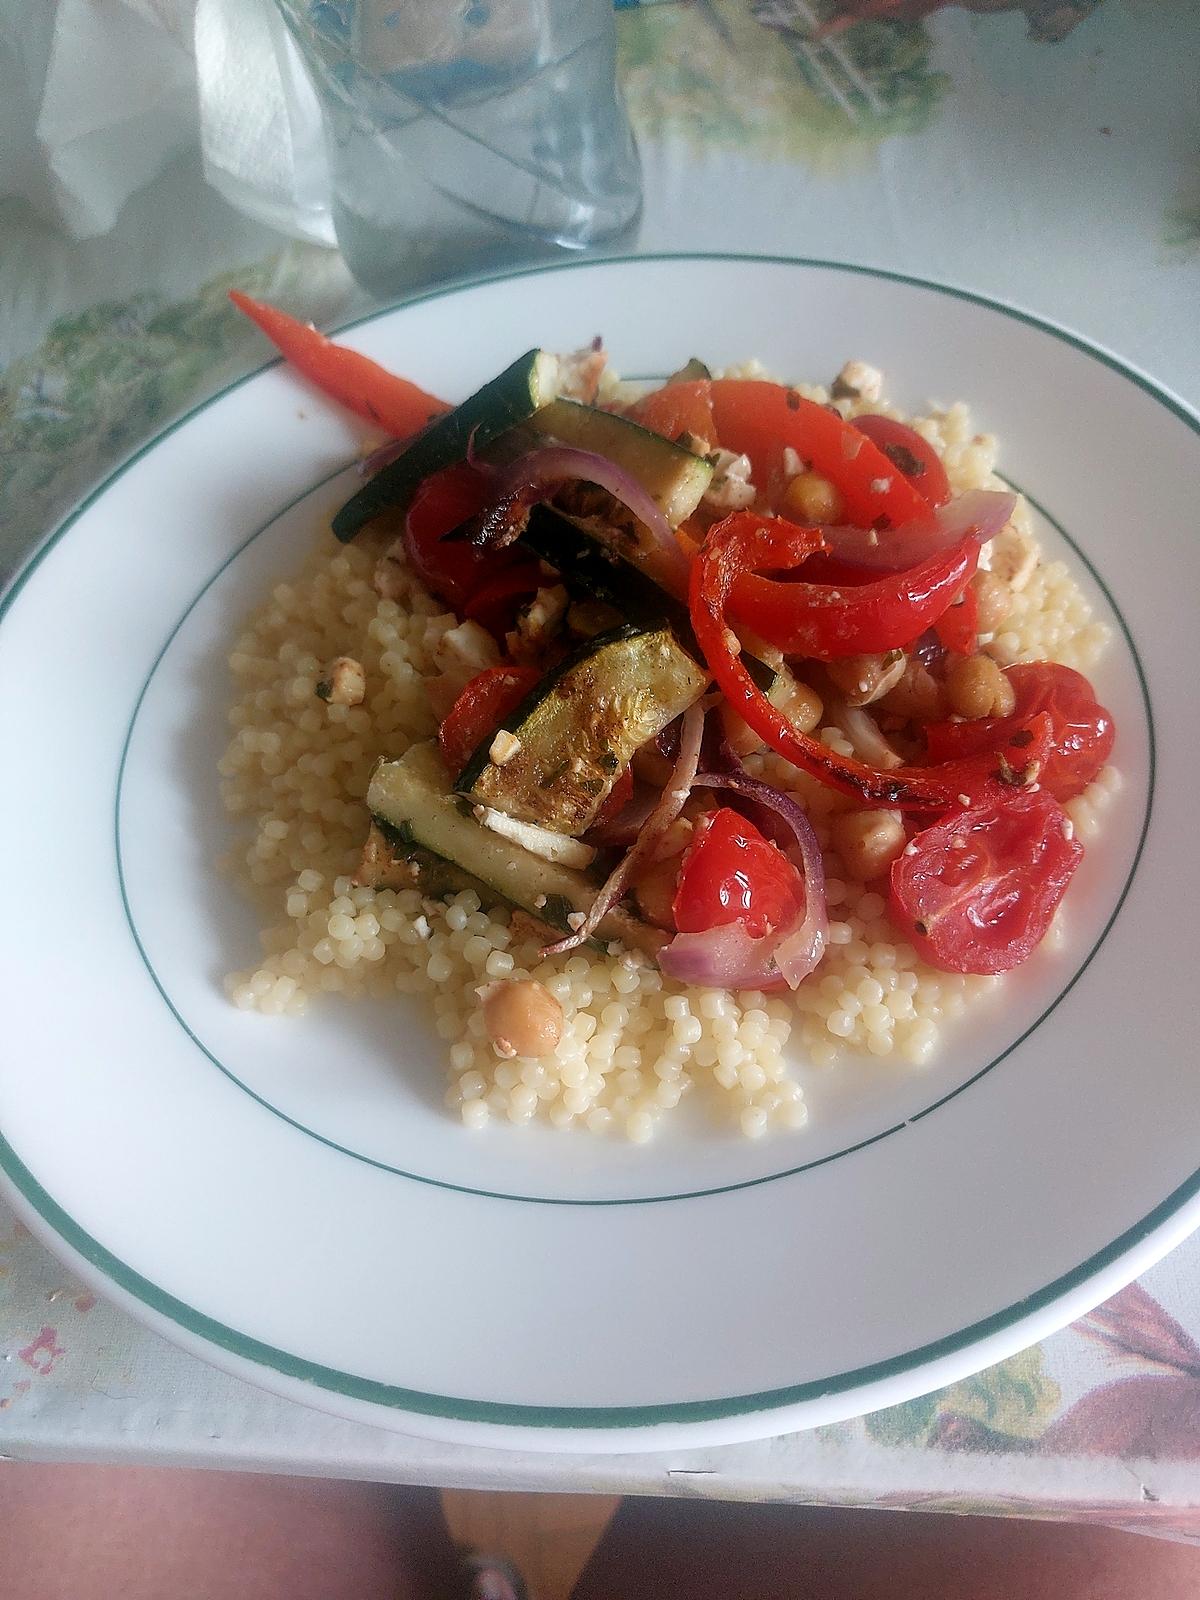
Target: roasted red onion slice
729, 957
623, 830
670, 803
535, 476
980, 511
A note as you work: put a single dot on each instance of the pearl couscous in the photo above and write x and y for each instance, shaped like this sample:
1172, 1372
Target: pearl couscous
336, 670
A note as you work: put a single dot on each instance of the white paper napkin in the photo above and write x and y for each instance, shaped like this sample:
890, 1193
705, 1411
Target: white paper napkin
97, 96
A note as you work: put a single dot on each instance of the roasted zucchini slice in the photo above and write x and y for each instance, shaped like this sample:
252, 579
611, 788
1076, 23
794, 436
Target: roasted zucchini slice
581, 724
413, 804
509, 399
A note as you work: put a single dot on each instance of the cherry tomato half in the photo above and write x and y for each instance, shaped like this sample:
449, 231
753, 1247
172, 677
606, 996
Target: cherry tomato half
911, 455
1083, 731
480, 709
731, 873
977, 891
452, 568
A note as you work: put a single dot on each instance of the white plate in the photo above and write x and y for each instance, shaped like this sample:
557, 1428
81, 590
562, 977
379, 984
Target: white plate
289, 1199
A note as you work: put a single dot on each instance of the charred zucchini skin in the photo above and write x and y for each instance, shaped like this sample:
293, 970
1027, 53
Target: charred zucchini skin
509, 399
591, 569
412, 802
580, 725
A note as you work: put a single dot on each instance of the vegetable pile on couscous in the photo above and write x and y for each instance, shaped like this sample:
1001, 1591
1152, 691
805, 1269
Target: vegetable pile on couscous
666, 743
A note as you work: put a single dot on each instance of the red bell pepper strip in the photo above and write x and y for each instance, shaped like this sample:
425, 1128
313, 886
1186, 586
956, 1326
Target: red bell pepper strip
958, 626
830, 621
355, 381
762, 420
741, 541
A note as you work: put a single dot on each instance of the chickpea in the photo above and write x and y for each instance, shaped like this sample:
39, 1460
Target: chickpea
809, 497
976, 687
992, 599
916, 697
522, 1018
865, 679
868, 841
740, 736
655, 892
799, 702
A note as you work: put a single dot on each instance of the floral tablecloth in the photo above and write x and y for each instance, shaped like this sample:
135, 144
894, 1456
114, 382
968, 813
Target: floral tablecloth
1049, 157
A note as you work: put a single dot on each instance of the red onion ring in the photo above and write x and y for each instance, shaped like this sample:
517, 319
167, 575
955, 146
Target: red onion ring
982, 512
729, 957
534, 476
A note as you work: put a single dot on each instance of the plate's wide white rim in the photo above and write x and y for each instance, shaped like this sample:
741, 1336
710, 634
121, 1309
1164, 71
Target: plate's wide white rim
727, 1420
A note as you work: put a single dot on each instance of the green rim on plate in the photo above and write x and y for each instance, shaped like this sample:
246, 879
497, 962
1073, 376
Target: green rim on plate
38, 1204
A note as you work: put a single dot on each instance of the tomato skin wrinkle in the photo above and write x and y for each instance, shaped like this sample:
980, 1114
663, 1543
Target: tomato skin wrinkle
977, 891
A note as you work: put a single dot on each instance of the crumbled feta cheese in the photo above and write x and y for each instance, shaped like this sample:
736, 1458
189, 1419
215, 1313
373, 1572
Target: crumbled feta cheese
463, 652
344, 683
504, 747
579, 373
730, 488
538, 623
793, 466
858, 381
541, 842
1012, 556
